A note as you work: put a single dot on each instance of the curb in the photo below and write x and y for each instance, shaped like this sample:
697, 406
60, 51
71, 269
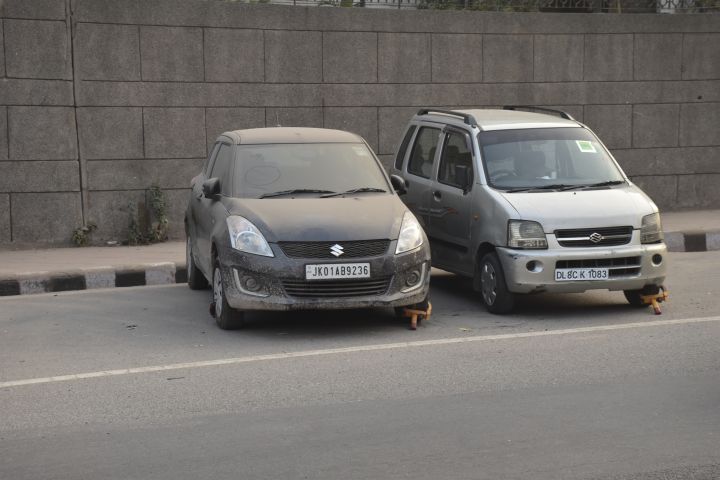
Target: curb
697, 241
92, 278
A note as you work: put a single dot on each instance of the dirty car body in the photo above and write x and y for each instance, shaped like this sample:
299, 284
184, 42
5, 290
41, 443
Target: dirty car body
301, 218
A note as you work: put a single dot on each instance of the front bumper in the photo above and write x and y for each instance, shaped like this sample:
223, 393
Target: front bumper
520, 278
279, 274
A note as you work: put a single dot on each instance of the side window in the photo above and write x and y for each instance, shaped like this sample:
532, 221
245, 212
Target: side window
456, 167
403, 148
221, 168
210, 160
423, 152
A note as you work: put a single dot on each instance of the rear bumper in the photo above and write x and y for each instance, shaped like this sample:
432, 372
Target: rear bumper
522, 279
276, 275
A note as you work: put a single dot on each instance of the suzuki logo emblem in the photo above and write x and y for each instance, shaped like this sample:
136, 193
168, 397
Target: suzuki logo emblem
336, 250
596, 237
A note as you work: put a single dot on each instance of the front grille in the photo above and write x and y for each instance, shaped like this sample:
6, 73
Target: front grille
337, 288
352, 249
581, 237
619, 267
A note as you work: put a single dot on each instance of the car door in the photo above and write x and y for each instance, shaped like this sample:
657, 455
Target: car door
450, 204
419, 170
207, 208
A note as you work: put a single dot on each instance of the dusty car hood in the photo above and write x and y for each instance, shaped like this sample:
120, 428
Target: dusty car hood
364, 217
583, 208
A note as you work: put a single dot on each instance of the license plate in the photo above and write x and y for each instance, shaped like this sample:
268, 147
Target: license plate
581, 274
333, 271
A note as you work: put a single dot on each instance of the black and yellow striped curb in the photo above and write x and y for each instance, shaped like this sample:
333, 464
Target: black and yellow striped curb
92, 278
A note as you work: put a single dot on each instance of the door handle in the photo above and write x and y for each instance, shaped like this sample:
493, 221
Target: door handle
437, 195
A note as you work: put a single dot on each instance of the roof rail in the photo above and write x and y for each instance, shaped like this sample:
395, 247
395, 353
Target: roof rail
467, 118
531, 108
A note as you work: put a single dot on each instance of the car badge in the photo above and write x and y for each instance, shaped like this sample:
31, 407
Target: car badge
596, 237
337, 250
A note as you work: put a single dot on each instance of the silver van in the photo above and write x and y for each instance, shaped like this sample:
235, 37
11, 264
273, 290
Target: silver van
528, 200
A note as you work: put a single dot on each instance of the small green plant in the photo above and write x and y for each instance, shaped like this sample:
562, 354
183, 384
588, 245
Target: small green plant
81, 235
148, 222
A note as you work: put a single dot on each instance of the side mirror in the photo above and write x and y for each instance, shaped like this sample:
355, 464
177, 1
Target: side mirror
462, 177
398, 184
211, 188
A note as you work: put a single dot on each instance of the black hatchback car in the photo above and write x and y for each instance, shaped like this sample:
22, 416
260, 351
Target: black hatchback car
301, 218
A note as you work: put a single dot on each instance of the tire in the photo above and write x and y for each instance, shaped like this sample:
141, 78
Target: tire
634, 297
493, 289
195, 278
226, 317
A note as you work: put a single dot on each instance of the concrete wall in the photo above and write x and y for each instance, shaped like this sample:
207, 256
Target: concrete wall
101, 98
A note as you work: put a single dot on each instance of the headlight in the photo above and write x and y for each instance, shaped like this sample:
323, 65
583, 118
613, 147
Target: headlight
651, 230
411, 234
245, 236
526, 234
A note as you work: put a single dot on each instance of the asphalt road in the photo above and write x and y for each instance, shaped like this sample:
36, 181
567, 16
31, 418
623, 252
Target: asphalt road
138, 383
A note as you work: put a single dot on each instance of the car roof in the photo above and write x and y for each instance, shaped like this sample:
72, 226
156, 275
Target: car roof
270, 135
496, 119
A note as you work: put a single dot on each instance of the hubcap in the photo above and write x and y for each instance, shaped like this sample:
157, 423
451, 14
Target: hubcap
488, 281
217, 292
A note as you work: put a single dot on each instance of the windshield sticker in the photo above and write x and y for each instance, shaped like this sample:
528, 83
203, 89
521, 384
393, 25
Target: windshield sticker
586, 146
360, 151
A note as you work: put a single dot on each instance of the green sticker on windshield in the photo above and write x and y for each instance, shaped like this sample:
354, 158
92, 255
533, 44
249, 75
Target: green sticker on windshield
586, 146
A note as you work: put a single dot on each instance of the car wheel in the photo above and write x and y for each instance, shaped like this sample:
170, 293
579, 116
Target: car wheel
195, 278
226, 317
634, 297
494, 292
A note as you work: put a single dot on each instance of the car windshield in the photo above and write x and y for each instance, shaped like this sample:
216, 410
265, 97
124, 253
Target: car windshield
317, 169
546, 158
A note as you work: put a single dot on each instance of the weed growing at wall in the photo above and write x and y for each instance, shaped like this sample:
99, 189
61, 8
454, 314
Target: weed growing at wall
81, 236
148, 222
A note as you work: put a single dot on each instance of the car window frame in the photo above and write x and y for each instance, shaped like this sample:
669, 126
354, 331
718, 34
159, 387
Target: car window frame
230, 170
447, 131
422, 127
407, 141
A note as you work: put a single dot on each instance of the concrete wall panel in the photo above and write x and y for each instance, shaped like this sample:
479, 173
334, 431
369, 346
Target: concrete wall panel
293, 57
174, 132
658, 56
608, 57
350, 57
700, 124
110, 211
35, 92
37, 49
405, 58
508, 58
172, 54
457, 58
141, 174
294, 117
107, 52
612, 123
391, 127
44, 176
701, 56
34, 9
698, 191
111, 132
234, 55
3, 134
360, 120
45, 217
558, 58
665, 161
5, 226
42, 133
655, 125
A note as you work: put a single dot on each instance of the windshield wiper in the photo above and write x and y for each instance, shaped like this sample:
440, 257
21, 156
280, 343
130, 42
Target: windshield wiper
555, 186
604, 184
354, 190
295, 190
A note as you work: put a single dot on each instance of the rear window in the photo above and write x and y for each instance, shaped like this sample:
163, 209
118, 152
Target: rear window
336, 167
